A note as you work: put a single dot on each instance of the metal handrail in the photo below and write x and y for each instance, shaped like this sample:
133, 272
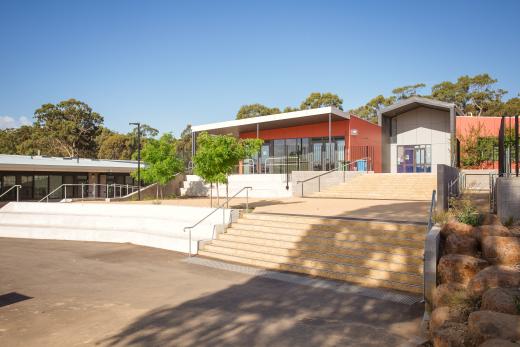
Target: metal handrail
278, 158
432, 209
82, 185
17, 186
342, 165
215, 210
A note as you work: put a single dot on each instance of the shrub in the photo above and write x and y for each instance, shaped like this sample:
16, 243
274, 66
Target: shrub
465, 212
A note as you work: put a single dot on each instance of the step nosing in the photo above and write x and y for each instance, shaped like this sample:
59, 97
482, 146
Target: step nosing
347, 233
318, 227
331, 238
324, 270
343, 218
351, 242
345, 256
416, 257
324, 261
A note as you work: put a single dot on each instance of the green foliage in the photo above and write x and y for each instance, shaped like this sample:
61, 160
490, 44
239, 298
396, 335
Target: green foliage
217, 155
406, 92
255, 110
290, 109
316, 100
472, 94
464, 211
71, 126
116, 146
160, 157
184, 145
370, 109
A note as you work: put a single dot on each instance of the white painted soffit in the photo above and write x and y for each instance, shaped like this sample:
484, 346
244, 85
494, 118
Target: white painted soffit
249, 124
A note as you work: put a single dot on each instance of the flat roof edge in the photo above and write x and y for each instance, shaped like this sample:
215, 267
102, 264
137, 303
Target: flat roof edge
271, 118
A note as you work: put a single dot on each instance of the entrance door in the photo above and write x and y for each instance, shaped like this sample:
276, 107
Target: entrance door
414, 158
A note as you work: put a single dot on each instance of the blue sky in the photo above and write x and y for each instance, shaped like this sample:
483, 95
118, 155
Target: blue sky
169, 63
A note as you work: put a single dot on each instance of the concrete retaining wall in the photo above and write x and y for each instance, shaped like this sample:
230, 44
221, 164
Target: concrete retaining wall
264, 186
508, 199
477, 179
445, 174
148, 225
328, 180
431, 258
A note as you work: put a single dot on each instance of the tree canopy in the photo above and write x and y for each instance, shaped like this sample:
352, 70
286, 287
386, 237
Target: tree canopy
71, 126
162, 162
256, 110
406, 92
217, 155
316, 100
475, 95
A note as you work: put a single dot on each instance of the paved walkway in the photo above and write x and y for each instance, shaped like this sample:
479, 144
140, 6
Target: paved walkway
416, 211
65, 293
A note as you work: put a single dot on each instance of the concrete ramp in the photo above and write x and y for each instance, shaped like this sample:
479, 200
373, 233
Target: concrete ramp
147, 225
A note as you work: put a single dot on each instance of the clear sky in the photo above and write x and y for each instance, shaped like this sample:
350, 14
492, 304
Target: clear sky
169, 63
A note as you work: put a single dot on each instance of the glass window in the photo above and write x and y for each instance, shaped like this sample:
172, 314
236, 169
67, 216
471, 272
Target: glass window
40, 186
54, 182
27, 187
8, 182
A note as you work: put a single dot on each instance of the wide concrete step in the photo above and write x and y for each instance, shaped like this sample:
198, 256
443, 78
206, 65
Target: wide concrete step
321, 264
316, 268
261, 239
274, 235
301, 229
301, 221
241, 249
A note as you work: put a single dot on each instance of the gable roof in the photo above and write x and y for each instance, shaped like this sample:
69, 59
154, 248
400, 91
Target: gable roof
415, 102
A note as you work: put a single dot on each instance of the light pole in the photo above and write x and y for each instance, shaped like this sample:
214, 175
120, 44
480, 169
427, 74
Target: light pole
138, 159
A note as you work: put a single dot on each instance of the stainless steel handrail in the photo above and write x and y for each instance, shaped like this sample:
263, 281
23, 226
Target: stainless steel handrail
215, 210
343, 165
83, 185
432, 209
17, 186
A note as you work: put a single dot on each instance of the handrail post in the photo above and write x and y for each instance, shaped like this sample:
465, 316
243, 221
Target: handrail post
17, 193
82, 198
319, 183
65, 187
189, 246
302, 187
247, 200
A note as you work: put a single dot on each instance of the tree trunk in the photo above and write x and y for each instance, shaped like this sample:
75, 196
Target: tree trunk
157, 191
218, 196
227, 195
162, 198
211, 194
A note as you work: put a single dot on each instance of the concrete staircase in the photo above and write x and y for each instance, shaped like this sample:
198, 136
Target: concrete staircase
374, 254
384, 186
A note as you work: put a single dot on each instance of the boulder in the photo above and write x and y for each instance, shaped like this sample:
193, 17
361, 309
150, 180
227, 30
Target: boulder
445, 314
485, 325
498, 343
449, 294
494, 277
451, 335
501, 250
459, 268
460, 244
454, 227
503, 300
492, 230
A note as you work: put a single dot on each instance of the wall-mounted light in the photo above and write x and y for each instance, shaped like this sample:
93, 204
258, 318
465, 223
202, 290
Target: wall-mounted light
353, 132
